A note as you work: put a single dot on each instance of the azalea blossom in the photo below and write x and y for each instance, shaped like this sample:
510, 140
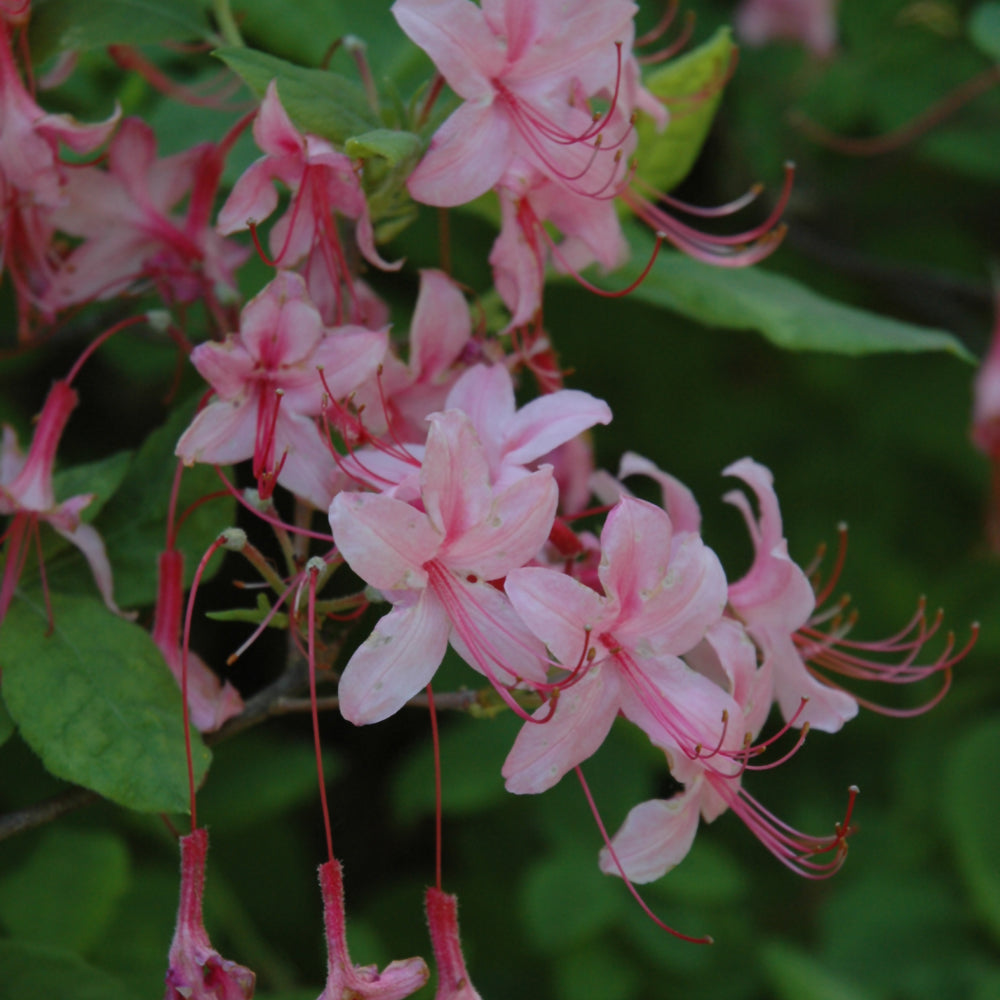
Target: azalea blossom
268, 390
27, 495
813, 23
435, 563
323, 183
33, 184
774, 600
662, 591
124, 215
520, 68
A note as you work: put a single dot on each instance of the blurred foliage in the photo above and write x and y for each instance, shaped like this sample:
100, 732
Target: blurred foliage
907, 236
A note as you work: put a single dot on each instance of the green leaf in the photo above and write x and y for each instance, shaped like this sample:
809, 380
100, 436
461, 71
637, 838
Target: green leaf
322, 103
602, 970
786, 313
66, 893
102, 478
396, 147
32, 970
664, 158
973, 813
984, 29
96, 702
61, 25
7, 727
796, 976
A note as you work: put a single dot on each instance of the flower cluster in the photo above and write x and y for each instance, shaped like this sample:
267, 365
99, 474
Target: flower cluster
475, 520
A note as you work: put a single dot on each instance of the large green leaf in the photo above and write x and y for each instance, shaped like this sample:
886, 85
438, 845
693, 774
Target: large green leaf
984, 28
66, 892
973, 813
787, 313
318, 101
60, 25
32, 970
691, 87
96, 702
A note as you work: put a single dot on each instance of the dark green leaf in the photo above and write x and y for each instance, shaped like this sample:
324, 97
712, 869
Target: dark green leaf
7, 727
599, 970
319, 102
395, 147
67, 891
664, 159
97, 703
102, 478
33, 971
984, 29
796, 976
787, 313
973, 812
60, 25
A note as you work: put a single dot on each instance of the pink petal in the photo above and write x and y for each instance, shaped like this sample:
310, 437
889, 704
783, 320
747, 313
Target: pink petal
655, 837
384, 540
543, 752
558, 609
441, 325
89, 542
395, 662
549, 421
458, 40
513, 533
466, 158
677, 500
224, 432
280, 326
454, 479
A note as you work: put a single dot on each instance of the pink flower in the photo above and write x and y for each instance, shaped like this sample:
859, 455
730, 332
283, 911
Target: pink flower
268, 390
661, 593
33, 182
344, 979
197, 971
26, 493
775, 600
324, 183
519, 66
435, 563
123, 215
811, 22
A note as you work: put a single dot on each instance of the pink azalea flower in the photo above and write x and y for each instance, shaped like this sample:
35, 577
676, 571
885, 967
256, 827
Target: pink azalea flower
591, 232
123, 214
662, 591
268, 390
811, 22
775, 600
344, 979
514, 437
210, 701
26, 494
518, 65
323, 183
657, 835
197, 971
406, 393
33, 183
435, 564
